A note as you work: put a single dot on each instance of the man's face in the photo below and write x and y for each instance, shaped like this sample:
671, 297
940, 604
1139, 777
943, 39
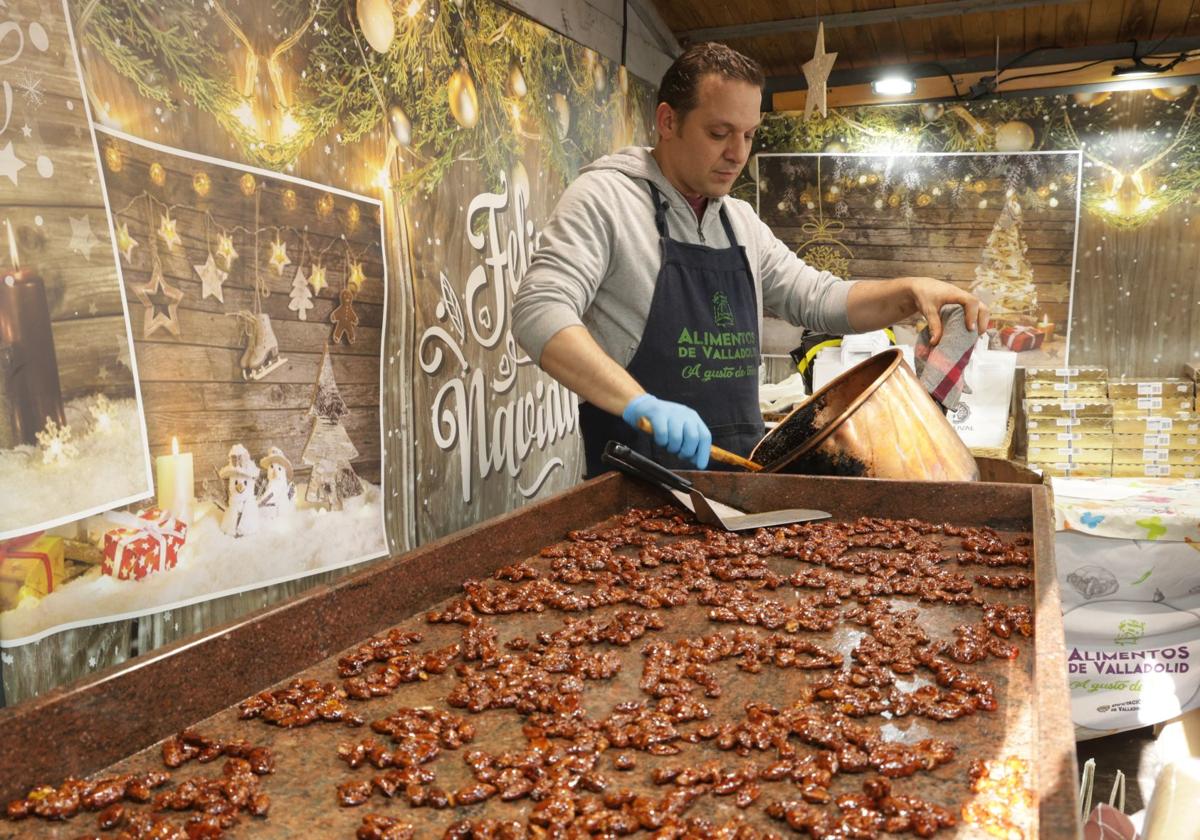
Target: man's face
705, 151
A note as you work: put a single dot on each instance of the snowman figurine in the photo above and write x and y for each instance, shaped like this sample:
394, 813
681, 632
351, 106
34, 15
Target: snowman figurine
241, 511
278, 499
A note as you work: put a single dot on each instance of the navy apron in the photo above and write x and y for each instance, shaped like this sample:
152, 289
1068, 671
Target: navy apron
700, 348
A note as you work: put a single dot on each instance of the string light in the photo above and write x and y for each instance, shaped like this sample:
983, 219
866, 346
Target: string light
113, 157
247, 184
201, 183
158, 174
289, 199
324, 205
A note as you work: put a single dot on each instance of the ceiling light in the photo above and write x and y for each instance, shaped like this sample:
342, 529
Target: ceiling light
893, 86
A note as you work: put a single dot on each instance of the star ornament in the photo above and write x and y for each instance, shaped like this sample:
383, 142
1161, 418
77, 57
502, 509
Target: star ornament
279, 257
10, 164
162, 304
317, 279
125, 242
356, 278
167, 231
816, 75
225, 249
82, 240
211, 279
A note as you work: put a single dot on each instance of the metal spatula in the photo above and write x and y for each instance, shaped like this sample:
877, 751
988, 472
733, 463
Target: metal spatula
708, 511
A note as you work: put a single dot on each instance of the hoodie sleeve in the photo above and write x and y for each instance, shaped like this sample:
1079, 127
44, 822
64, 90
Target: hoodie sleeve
571, 260
797, 292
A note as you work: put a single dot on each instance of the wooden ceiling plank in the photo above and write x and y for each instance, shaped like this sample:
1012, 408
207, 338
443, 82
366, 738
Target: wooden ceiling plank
1137, 21
855, 42
918, 37
1010, 28
948, 38
979, 33
1072, 24
1193, 21
1171, 18
889, 41
1104, 22
1040, 27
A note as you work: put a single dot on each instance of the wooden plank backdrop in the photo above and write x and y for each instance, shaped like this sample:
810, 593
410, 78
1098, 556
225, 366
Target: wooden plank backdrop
82, 287
194, 389
939, 240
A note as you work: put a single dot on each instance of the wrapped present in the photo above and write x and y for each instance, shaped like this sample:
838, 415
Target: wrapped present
143, 544
1021, 338
30, 566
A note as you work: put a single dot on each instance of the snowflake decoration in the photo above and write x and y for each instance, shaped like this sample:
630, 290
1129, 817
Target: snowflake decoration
56, 444
30, 87
828, 258
102, 413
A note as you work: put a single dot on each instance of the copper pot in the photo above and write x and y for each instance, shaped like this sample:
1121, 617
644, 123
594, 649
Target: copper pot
874, 420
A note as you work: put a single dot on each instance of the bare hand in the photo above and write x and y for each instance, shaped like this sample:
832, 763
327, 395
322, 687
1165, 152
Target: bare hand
930, 295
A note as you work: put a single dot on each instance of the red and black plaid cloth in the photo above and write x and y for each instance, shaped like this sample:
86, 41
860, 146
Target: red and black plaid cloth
941, 368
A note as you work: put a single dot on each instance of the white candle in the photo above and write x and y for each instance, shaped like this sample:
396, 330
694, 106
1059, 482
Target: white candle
174, 482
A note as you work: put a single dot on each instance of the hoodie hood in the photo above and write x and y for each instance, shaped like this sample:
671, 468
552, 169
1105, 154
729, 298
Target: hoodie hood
637, 162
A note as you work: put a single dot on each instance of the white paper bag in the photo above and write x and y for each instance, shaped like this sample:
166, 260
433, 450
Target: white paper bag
981, 419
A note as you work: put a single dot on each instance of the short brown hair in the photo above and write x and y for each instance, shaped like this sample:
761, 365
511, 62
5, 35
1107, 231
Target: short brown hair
680, 85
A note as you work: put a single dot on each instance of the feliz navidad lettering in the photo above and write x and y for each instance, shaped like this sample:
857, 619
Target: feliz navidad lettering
493, 426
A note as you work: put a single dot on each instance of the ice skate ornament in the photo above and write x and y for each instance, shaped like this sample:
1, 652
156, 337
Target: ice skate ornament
345, 319
261, 355
278, 500
241, 508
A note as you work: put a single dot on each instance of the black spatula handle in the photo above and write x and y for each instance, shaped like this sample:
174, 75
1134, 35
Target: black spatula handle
639, 466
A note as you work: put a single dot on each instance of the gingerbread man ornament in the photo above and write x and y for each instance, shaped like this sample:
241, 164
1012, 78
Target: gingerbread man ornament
345, 319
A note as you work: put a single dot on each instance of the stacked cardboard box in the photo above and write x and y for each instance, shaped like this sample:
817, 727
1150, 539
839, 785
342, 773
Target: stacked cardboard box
1155, 397
1165, 446
1068, 437
1192, 373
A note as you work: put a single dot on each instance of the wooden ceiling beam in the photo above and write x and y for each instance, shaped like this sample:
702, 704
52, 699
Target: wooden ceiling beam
1121, 53
864, 18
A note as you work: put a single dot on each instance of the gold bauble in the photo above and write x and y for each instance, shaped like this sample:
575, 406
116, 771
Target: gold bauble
516, 80
980, 187
158, 175
519, 179
924, 200
325, 204
400, 124
201, 183
1091, 100
932, 111
464, 102
1170, 93
353, 215
872, 179
623, 80
246, 184
377, 23
1043, 192
894, 200
1014, 136
562, 110
289, 199
113, 157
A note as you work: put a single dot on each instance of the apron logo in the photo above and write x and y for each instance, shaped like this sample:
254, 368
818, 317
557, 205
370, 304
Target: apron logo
721, 310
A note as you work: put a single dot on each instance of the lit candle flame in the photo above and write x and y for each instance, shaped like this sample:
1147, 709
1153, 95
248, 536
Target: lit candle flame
12, 245
174, 446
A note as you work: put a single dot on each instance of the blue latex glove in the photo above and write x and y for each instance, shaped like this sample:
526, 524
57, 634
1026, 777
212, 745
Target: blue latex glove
676, 427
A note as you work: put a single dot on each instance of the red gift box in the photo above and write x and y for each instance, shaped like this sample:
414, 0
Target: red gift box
1022, 338
143, 544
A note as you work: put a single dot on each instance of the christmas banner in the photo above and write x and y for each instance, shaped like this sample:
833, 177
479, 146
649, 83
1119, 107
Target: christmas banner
257, 303
1001, 225
72, 441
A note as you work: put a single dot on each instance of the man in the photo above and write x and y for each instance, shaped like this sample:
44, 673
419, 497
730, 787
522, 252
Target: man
646, 294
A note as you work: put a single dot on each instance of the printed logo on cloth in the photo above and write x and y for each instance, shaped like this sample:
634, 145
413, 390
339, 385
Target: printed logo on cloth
721, 310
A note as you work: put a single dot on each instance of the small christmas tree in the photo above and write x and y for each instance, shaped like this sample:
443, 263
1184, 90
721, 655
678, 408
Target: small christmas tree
301, 295
329, 449
1005, 279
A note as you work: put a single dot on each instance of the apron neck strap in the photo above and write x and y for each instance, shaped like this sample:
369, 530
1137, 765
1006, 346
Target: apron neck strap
660, 210
660, 216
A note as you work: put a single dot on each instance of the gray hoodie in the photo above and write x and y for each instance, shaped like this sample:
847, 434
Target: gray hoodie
599, 257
